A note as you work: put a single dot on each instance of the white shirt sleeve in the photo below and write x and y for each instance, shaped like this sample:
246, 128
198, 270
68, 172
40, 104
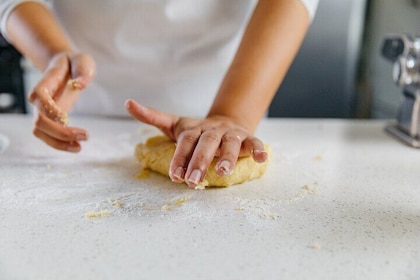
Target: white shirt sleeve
311, 6
6, 7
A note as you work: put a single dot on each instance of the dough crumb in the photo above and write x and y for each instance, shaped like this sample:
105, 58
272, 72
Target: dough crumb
74, 85
99, 214
311, 190
175, 204
316, 246
166, 207
143, 174
147, 130
318, 158
181, 201
117, 204
300, 195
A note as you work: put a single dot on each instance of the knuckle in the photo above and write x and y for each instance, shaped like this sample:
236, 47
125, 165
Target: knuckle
85, 61
80, 55
32, 95
202, 161
38, 122
231, 138
254, 145
190, 136
36, 92
36, 132
209, 136
179, 160
65, 135
257, 143
230, 156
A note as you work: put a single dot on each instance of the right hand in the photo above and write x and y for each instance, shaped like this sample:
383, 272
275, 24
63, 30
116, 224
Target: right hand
55, 94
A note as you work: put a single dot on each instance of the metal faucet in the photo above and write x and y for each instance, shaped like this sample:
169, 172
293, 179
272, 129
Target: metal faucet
404, 51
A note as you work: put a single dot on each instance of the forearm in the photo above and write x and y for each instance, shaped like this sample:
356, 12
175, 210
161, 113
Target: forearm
34, 31
268, 47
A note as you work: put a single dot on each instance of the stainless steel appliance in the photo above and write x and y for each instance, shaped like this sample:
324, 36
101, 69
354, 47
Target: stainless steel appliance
404, 51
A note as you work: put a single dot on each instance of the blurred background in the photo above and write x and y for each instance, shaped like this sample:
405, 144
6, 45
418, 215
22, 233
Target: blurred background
338, 73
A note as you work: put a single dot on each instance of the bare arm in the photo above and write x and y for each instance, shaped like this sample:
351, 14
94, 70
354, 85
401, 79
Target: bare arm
269, 45
34, 31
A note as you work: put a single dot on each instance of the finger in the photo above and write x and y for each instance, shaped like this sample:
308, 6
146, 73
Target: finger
45, 94
229, 152
73, 147
83, 69
186, 143
151, 116
59, 132
47, 106
253, 146
54, 77
68, 97
202, 156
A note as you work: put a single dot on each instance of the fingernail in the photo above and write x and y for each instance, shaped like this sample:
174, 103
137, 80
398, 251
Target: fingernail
224, 167
81, 137
259, 156
195, 177
177, 175
73, 149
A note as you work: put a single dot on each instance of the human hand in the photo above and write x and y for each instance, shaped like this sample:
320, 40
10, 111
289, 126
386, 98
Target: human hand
199, 141
55, 94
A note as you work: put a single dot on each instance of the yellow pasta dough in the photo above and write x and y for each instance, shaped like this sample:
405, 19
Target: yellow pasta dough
156, 154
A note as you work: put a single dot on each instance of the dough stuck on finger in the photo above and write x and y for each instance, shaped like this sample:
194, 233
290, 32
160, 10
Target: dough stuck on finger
156, 154
48, 106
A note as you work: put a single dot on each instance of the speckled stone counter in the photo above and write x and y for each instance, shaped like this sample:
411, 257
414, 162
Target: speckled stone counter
340, 200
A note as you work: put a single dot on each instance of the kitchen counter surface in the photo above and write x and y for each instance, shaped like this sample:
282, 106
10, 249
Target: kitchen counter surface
340, 200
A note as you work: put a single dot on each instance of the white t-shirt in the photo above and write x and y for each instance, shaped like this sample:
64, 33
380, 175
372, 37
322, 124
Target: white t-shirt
167, 54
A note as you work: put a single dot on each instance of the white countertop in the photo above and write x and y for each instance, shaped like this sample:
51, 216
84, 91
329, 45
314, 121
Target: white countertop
358, 217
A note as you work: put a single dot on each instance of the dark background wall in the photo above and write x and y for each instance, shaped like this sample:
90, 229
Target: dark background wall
12, 96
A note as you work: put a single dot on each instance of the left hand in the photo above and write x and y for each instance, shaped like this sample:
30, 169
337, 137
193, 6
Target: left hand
199, 141
55, 94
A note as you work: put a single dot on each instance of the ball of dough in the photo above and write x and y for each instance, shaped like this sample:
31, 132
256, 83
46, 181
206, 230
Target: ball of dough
157, 152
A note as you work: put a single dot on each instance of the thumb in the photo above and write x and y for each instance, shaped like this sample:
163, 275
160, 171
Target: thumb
165, 122
83, 69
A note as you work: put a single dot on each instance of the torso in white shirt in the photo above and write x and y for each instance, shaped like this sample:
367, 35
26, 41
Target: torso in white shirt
168, 54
